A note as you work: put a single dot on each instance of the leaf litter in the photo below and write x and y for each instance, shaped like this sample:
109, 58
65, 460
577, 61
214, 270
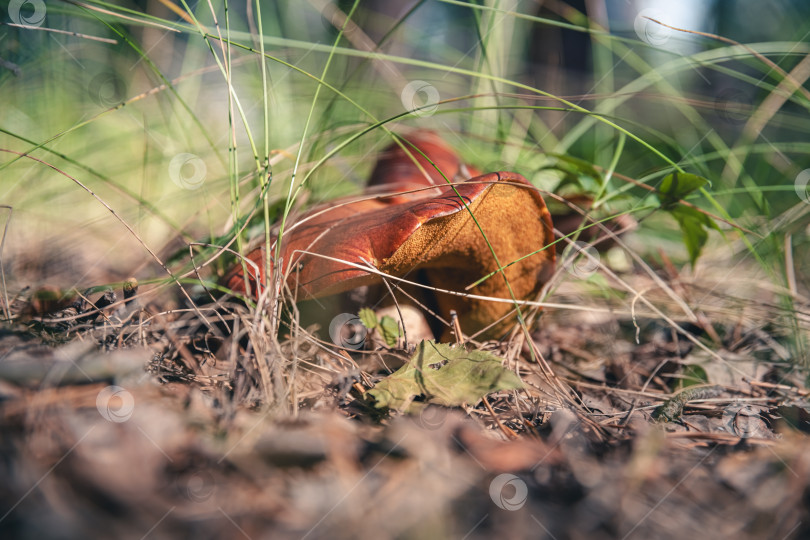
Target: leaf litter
145, 423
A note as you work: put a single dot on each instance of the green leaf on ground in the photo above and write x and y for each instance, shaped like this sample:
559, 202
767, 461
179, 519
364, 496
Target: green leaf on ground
389, 329
368, 318
692, 375
387, 326
443, 375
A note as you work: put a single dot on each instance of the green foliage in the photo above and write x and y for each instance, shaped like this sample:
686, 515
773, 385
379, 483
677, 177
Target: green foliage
388, 327
694, 223
286, 114
443, 375
368, 318
577, 173
677, 186
692, 375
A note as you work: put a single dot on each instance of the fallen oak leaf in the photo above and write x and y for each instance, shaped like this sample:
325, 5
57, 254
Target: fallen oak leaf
443, 375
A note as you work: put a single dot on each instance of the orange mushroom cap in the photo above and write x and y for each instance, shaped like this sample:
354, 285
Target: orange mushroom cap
337, 247
408, 165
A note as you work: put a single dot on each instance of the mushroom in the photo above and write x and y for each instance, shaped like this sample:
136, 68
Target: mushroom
400, 167
429, 232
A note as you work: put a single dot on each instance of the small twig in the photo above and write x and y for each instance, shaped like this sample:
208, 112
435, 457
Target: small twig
181, 348
506, 431
140, 21
6, 304
11, 66
726, 438
457, 329
787, 76
396, 303
774, 386
789, 269
57, 31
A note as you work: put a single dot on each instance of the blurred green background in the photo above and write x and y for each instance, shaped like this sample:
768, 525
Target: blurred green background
132, 101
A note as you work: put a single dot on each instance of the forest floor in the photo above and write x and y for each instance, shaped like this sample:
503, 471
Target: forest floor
143, 423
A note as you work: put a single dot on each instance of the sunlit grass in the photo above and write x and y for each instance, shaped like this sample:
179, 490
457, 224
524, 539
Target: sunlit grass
192, 129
